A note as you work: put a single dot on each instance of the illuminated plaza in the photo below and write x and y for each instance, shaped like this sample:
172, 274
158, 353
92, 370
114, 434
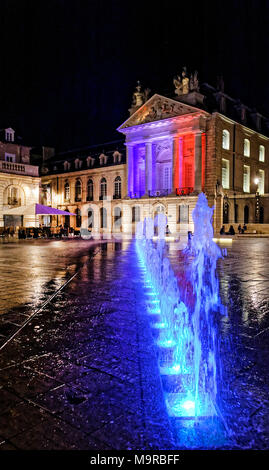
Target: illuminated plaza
84, 375
134, 231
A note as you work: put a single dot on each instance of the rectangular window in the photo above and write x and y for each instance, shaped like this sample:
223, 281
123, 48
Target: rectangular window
261, 153
183, 214
167, 179
225, 174
246, 179
261, 182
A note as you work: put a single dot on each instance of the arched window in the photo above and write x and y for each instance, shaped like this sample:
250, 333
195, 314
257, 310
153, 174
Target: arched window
225, 139
246, 148
90, 218
117, 188
261, 153
78, 217
14, 198
246, 214
67, 219
225, 212
103, 217
103, 189
236, 213
261, 215
117, 217
135, 214
66, 191
78, 191
90, 190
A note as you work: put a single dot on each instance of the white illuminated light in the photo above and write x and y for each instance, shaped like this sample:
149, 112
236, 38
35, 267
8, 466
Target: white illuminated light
188, 405
256, 180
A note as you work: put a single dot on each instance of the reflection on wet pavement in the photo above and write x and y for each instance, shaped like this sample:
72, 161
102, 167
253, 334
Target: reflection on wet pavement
83, 374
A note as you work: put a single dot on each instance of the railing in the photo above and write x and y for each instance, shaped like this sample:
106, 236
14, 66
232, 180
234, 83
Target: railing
19, 168
103, 197
78, 199
12, 201
184, 191
117, 196
159, 193
136, 194
89, 198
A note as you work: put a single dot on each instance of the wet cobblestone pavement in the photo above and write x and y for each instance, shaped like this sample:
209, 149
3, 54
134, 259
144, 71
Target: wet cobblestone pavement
83, 373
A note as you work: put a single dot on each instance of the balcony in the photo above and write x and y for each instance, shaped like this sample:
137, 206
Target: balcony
103, 197
117, 196
184, 191
78, 198
12, 201
18, 168
89, 198
159, 192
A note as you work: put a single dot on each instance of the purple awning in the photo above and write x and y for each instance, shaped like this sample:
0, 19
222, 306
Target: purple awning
46, 210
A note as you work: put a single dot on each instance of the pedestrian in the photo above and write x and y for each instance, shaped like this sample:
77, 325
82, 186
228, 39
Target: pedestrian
244, 229
239, 228
231, 230
35, 230
222, 230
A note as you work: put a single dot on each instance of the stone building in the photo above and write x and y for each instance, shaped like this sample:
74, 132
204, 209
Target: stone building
197, 139
19, 180
90, 183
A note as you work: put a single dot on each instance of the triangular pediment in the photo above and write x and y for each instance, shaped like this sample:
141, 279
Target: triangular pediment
158, 108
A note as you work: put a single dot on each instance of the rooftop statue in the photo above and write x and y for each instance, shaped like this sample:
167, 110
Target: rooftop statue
185, 81
183, 84
194, 82
178, 85
139, 96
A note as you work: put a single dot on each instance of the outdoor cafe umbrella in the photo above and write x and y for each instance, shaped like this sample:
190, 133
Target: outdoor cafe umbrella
36, 209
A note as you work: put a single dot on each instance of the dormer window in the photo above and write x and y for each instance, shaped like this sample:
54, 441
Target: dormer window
9, 134
78, 164
90, 161
10, 157
66, 166
258, 121
103, 159
117, 157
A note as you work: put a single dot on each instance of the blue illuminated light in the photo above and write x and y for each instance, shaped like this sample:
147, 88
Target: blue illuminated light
188, 353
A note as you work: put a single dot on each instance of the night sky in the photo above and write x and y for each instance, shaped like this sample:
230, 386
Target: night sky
68, 68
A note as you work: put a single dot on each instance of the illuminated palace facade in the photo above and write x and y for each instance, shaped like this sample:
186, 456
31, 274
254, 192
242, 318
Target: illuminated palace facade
175, 148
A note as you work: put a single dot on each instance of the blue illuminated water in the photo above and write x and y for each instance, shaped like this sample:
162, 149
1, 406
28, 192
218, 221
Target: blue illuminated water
186, 331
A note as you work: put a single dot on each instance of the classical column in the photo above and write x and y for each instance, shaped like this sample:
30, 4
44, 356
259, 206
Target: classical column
198, 162
180, 162
130, 170
175, 168
84, 181
148, 168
